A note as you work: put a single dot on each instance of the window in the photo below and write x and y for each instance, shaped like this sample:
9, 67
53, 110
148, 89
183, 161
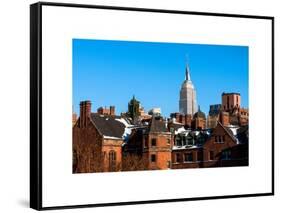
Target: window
168, 141
200, 140
211, 155
199, 156
112, 160
153, 158
184, 141
177, 158
226, 155
219, 139
188, 157
190, 141
178, 141
153, 142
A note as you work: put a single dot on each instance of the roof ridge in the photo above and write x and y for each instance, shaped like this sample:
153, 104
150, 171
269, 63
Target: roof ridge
225, 128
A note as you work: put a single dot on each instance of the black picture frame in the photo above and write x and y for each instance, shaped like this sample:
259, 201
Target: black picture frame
36, 104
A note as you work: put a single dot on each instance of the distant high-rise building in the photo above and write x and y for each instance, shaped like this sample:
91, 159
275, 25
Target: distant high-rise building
188, 103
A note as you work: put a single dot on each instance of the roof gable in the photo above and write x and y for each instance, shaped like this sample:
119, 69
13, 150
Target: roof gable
157, 125
228, 131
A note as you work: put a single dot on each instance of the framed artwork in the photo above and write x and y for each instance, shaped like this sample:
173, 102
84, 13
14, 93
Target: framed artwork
134, 106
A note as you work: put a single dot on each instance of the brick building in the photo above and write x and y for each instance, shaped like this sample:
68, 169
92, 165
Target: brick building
229, 112
199, 120
230, 101
107, 143
184, 119
213, 115
210, 148
97, 141
106, 111
152, 143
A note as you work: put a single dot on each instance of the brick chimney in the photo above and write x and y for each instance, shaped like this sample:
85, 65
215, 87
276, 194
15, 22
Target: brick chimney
112, 110
85, 112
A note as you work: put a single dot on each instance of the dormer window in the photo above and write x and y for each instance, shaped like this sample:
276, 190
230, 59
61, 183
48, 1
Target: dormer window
219, 139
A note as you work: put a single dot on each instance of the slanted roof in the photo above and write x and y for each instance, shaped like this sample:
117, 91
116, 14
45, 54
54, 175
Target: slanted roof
108, 126
158, 125
228, 131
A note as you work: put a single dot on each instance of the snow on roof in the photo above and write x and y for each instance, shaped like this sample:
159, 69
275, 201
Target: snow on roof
175, 122
123, 121
180, 130
110, 137
233, 129
230, 125
208, 132
128, 128
185, 147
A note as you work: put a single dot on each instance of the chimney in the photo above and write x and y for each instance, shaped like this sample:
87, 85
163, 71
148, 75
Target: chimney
85, 112
112, 110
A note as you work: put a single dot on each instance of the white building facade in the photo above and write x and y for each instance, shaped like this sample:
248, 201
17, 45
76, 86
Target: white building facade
188, 103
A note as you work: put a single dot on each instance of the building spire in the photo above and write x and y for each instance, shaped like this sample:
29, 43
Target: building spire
187, 70
187, 73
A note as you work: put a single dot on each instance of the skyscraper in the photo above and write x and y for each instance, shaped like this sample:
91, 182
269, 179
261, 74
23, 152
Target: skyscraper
188, 103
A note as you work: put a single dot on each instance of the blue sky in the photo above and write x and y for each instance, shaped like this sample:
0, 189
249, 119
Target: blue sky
111, 72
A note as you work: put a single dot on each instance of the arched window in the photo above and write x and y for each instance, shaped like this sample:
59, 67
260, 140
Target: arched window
112, 160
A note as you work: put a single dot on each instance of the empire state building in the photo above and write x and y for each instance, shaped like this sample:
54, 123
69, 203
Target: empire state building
188, 103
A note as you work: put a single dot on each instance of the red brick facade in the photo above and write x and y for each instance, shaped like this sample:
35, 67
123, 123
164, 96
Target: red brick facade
221, 149
99, 145
199, 123
183, 119
92, 152
157, 150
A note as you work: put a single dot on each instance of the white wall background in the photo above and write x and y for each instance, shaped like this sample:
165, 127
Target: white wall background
14, 105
